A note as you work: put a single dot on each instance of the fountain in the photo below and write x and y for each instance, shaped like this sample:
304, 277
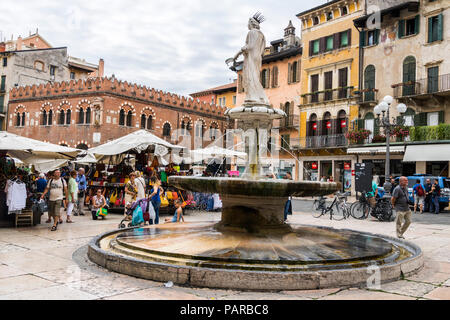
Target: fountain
252, 248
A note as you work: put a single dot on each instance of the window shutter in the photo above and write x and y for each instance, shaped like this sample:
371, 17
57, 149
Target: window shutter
420, 119
267, 78
336, 41
298, 71
360, 124
377, 36
349, 38
401, 29
311, 48
289, 73
322, 44
441, 117
276, 77
440, 27
362, 39
417, 25
376, 128
430, 30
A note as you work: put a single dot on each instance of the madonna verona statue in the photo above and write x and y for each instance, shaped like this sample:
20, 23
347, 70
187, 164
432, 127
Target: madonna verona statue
253, 53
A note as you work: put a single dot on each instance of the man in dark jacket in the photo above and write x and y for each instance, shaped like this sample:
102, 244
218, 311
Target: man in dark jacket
428, 197
436, 193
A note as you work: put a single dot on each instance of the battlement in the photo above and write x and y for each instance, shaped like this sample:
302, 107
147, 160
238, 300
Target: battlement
111, 85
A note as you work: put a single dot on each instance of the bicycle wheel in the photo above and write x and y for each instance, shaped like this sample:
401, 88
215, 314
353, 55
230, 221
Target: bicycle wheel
338, 212
359, 210
317, 212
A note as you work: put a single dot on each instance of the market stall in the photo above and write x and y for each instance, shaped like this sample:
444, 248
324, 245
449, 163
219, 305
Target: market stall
139, 151
16, 185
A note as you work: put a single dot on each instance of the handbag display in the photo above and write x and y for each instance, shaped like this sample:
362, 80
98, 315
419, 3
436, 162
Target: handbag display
102, 212
164, 201
113, 197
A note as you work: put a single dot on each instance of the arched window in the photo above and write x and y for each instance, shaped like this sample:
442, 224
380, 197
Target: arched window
409, 76
313, 126
199, 129
88, 115
341, 126
18, 120
369, 83
166, 130
129, 119
327, 125
50, 118
44, 118
62, 117
68, 117
143, 121
150, 123
370, 124
213, 131
81, 116
82, 146
122, 118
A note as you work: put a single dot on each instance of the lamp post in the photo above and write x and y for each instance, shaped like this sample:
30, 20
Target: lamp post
383, 120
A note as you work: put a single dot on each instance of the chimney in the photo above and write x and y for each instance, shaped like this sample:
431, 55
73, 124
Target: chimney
101, 68
19, 43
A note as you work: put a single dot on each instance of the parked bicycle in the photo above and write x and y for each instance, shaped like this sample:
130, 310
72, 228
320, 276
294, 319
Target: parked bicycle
382, 211
338, 210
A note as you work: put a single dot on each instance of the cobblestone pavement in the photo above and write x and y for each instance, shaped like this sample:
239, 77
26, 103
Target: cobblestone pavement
36, 263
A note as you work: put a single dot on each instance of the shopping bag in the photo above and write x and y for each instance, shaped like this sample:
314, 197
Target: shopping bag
169, 195
102, 212
42, 206
151, 211
164, 201
138, 216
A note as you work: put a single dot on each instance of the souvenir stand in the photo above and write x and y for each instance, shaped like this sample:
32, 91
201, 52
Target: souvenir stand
138, 151
17, 185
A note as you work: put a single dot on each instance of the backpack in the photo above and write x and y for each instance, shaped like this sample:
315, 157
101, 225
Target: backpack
420, 191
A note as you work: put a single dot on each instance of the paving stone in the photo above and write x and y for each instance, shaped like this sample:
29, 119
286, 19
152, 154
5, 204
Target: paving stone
431, 273
52, 293
358, 294
7, 271
250, 296
442, 293
156, 294
447, 283
313, 294
408, 288
69, 275
23, 283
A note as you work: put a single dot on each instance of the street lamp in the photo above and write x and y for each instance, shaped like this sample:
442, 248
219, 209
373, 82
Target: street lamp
383, 120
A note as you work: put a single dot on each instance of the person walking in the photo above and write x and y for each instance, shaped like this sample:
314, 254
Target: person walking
372, 195
419, 196
155, 197
140, 183
56, 188
428, 196
288, 204
73, 195
401, 206
435, 194
131, 192
41, 184
82, 186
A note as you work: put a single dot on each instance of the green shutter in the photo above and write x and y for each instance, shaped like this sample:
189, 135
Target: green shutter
420, 119
430, 30
440, 27
417, 25
362, 39
376, 128
441, 117
401, 29
377, 36
360, 124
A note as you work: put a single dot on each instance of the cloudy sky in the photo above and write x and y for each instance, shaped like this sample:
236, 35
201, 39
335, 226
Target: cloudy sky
173, 45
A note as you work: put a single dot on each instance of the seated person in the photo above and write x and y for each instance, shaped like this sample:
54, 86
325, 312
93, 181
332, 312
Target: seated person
178, 216
98, 202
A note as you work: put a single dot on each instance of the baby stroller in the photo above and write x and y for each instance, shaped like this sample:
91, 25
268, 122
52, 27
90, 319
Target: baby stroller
132, 210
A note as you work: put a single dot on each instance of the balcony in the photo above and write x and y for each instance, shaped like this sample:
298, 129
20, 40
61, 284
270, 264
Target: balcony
424, 88
328, 95
323, 142
367, 97
290, 122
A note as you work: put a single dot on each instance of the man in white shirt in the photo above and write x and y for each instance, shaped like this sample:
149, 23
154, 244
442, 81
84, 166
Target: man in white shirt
140, 183
56, 188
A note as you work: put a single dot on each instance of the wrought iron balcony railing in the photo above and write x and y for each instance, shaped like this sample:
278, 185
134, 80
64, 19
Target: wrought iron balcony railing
367, 96
319, 142
431, 85
328, 95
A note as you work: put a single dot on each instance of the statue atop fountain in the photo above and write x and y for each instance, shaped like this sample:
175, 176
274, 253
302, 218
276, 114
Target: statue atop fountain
253, 52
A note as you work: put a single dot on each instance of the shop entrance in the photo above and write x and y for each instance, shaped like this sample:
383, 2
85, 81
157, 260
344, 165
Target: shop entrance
438, 168
326, 170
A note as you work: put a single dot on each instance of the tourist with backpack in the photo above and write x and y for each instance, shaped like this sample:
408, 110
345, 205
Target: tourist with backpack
57, 189
419, 196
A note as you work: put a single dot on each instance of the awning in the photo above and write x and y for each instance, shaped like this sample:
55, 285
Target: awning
376, 150
427, 152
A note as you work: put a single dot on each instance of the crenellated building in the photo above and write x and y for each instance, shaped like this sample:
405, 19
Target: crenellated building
86, 113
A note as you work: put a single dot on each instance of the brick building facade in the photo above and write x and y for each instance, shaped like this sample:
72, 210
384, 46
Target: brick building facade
87, 113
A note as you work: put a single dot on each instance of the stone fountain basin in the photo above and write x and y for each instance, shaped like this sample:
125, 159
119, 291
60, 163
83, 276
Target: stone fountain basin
255, 188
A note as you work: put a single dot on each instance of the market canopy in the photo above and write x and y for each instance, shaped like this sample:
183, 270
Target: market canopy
137, 141
376, 150
25, 148
428, 152
215, 151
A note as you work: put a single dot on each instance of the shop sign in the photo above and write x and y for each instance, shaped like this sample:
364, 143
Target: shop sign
314, 126
343, 123
328, 125
314, 166
347, 166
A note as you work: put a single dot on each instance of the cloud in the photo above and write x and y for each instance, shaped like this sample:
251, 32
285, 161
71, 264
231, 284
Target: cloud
172, 45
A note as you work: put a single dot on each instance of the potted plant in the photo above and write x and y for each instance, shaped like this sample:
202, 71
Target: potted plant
358, 136
400, 132
379, 138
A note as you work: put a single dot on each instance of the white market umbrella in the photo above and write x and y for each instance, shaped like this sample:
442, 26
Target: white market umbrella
138, 141
215, 151
87, 158
22, 148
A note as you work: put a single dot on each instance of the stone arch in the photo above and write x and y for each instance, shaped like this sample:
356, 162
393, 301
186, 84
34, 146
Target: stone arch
167, 128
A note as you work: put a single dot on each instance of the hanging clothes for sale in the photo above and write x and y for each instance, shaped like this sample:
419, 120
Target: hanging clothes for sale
16, 196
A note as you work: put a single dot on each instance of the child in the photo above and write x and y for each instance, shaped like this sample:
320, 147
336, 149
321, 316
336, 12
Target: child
178, 213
